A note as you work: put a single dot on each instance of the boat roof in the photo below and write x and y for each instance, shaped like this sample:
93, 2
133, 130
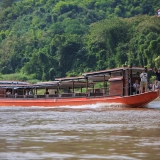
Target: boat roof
97, 78
75, 84
69, 82
14, 86
14, 83
108, 71
63, 83
42, 85
70, 78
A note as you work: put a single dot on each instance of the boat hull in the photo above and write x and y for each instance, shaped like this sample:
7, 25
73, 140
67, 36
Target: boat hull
138, 100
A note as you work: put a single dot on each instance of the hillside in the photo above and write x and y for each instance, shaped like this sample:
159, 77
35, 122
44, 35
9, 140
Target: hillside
44, 39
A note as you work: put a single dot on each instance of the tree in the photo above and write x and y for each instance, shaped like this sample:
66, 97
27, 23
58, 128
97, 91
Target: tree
7, 3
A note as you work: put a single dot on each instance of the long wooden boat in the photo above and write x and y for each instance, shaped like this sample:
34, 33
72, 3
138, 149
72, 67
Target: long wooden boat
138, 100
116, 89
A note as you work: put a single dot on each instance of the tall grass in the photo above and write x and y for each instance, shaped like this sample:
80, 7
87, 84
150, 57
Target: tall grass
18, 77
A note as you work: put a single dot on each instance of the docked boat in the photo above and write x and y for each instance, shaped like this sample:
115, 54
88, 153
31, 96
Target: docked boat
106, 87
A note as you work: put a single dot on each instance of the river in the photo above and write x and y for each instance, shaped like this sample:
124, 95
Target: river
86, 132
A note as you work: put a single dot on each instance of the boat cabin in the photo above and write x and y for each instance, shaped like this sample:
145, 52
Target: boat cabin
118, 81
111, 82
9, 88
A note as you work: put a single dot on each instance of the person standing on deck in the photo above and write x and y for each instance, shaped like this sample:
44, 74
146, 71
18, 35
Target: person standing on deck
143, 83
157, 76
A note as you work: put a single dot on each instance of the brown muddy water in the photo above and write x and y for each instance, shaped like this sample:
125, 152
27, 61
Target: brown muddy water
87, 132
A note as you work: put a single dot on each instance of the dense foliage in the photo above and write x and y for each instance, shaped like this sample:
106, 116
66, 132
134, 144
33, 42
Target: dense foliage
44, 39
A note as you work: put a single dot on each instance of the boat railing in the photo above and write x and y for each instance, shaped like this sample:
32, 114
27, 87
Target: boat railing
1, 95
66, 95
128, 90
72, 95
80, 94
98, 92
52, 95
91, 92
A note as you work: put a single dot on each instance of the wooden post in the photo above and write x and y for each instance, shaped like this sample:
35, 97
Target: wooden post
130, 82
86, 86
58, 90
123, 87
126, 82
73, 86
104, 84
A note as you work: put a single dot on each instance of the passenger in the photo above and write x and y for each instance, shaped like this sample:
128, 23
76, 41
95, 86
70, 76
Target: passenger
157, 75
27, 93
8, 93
46, 93
16, 94
155, 86
136, 87
30, 92
143, 82
150, 87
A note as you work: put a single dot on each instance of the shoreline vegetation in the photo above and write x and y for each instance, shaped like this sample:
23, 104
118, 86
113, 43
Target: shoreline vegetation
42, 40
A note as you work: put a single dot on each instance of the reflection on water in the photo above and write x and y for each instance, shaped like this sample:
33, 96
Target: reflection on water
92, 132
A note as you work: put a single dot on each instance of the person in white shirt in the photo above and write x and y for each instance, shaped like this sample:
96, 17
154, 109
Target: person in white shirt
8, 93
136, 87
155, 86
143, 83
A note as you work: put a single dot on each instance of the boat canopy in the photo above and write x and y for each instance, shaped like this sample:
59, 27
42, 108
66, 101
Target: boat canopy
13, 83
99, 78
62, 83
80, 78
73, 82
42, 85
109, 71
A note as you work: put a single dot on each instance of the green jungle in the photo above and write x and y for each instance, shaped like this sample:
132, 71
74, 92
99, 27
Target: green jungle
44, 39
